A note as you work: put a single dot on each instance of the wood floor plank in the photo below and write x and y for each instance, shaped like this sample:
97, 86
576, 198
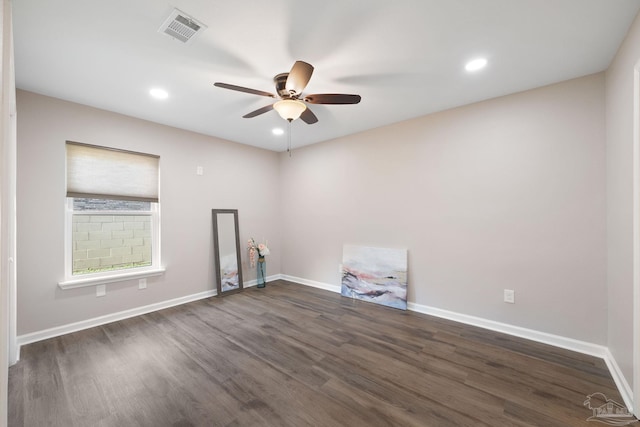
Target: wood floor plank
17, 399
290, 355
401, 377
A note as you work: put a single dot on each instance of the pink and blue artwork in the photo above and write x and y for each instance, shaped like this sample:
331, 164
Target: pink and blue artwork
229, 272
375, 275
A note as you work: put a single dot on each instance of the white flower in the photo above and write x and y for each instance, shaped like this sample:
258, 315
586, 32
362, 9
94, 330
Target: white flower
263, 250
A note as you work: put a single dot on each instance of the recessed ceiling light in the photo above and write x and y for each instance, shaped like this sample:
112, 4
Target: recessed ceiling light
158, 93
476, 64
277, 131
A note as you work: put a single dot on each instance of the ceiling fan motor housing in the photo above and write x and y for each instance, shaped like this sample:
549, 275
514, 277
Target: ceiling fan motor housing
281, 81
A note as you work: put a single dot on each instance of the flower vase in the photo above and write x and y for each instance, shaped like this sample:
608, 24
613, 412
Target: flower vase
262, 272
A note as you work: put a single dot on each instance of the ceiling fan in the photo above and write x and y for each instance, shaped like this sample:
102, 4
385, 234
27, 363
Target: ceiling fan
289, 87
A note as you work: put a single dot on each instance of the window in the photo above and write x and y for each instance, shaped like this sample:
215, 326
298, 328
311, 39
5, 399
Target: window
108, 235
112, 216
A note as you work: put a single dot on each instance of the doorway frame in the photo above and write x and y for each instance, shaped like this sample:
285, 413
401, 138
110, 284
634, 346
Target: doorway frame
636, 239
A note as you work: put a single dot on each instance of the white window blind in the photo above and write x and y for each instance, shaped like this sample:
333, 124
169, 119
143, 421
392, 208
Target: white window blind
105, 173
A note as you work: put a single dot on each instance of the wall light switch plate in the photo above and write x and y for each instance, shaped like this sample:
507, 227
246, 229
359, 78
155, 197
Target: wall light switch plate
510, 296
101, 290
199, 170
142, 284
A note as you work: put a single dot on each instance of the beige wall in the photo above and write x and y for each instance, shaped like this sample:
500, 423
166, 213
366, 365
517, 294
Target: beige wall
507, 193
235, 177
619, 116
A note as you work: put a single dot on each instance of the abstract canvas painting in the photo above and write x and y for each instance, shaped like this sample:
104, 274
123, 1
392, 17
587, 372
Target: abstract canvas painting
376, 275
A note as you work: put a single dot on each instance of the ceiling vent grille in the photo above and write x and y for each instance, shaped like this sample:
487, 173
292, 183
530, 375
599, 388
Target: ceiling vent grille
181, 26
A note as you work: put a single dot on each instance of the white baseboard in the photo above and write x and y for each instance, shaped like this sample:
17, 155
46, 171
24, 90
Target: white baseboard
254, 282
530, 334
121, 315
583, 347
623, 386
101, 320
313, 284
542, 337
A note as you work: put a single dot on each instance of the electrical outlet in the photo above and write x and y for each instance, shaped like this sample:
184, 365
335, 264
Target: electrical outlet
340, 268
510, 296
142, 284
101, 290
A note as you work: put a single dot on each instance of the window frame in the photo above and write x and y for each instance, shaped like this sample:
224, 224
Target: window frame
93, 279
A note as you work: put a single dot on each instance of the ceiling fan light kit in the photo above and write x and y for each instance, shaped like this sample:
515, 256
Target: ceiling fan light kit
289, 87
289, 109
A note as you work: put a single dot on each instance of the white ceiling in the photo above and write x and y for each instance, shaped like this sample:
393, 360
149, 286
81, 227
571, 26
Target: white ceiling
404, 57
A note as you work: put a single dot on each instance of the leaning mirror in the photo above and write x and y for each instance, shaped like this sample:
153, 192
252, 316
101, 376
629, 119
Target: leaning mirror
226, 251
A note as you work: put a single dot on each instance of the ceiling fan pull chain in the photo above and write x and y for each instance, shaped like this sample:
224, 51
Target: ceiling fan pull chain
289, 138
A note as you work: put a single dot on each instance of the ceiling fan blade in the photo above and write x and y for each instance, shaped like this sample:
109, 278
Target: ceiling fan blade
332, 98
259, 111
244, 89
299, 77
308, 117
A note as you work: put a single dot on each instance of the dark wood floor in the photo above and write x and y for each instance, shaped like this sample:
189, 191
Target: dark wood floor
290, 355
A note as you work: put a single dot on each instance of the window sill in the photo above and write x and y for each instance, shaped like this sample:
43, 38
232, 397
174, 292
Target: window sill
111, 278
